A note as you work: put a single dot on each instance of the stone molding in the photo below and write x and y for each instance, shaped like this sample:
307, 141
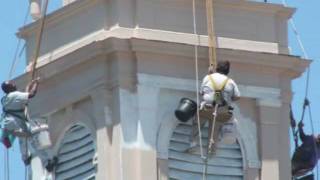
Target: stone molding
287, 65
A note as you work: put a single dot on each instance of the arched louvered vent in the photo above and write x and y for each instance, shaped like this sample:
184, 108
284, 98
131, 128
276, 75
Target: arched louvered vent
75, 157
226, 164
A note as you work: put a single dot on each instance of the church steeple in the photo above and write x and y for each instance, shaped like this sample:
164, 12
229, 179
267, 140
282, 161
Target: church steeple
117, 69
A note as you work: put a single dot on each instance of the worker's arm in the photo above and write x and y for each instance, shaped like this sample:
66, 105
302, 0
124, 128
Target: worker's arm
204, 82
32, 88
301, 132
236, 92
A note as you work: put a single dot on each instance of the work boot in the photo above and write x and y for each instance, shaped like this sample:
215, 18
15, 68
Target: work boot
27, 160
192, 148
51, 164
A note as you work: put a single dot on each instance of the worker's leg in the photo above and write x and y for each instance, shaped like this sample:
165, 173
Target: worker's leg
40, 142
24, 150
228, 132
36, 127
47, 159
207, 101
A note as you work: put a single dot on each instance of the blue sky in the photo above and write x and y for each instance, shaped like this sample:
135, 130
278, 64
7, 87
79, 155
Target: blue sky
306, 18
12, 14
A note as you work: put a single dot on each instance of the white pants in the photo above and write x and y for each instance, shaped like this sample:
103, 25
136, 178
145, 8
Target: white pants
28, 140
228, 132
28, 147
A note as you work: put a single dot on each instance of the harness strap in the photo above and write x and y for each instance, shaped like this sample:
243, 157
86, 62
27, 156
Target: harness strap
13, 112
214, 85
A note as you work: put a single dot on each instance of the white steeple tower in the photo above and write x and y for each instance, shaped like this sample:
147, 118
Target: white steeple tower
113, 72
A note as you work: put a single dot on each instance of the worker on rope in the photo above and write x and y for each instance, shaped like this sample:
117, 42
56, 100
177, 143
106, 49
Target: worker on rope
16, 122
218, 89
306, 156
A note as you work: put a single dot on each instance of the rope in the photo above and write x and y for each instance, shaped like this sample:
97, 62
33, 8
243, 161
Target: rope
304, 52
197, 76
314, 142
26, 153
307, 86
211, 140
33, 68
17, 54
6, 165
38, 40
211, 34
15, 57
204, 177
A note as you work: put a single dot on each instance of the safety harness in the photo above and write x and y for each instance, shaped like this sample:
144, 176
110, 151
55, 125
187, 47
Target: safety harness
218, 91
13, 112
7, 136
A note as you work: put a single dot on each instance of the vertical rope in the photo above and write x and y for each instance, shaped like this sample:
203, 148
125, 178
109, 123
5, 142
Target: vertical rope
197, 74
15, 57
5, 165
196, 56
315, 145
304, 52
211, 34
307, 86
26, 153
38, 40
8, 164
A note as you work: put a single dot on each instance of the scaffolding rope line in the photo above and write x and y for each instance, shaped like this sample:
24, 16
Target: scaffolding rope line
26, 153
6, 165
17, 53
212, 43
39, 40
197, 74
307, 86
196, 56
35, 56
300, 43
212, 62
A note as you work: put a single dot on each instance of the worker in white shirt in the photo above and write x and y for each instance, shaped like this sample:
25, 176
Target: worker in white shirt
15, 120
219, 81
218, 90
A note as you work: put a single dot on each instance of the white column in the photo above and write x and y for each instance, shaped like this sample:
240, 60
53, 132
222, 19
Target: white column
101, 100
269, 116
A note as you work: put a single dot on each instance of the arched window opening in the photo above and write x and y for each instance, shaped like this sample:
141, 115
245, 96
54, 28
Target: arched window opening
76, 155
227, 163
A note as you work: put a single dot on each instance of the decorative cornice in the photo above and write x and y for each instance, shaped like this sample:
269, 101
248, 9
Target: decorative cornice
292, 65
64, 12
257, 6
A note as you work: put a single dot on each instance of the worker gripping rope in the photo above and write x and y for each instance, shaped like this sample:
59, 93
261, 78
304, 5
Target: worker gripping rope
218, 92
307, 154
16, 122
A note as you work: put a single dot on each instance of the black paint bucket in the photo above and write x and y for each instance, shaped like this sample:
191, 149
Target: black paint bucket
186, 109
